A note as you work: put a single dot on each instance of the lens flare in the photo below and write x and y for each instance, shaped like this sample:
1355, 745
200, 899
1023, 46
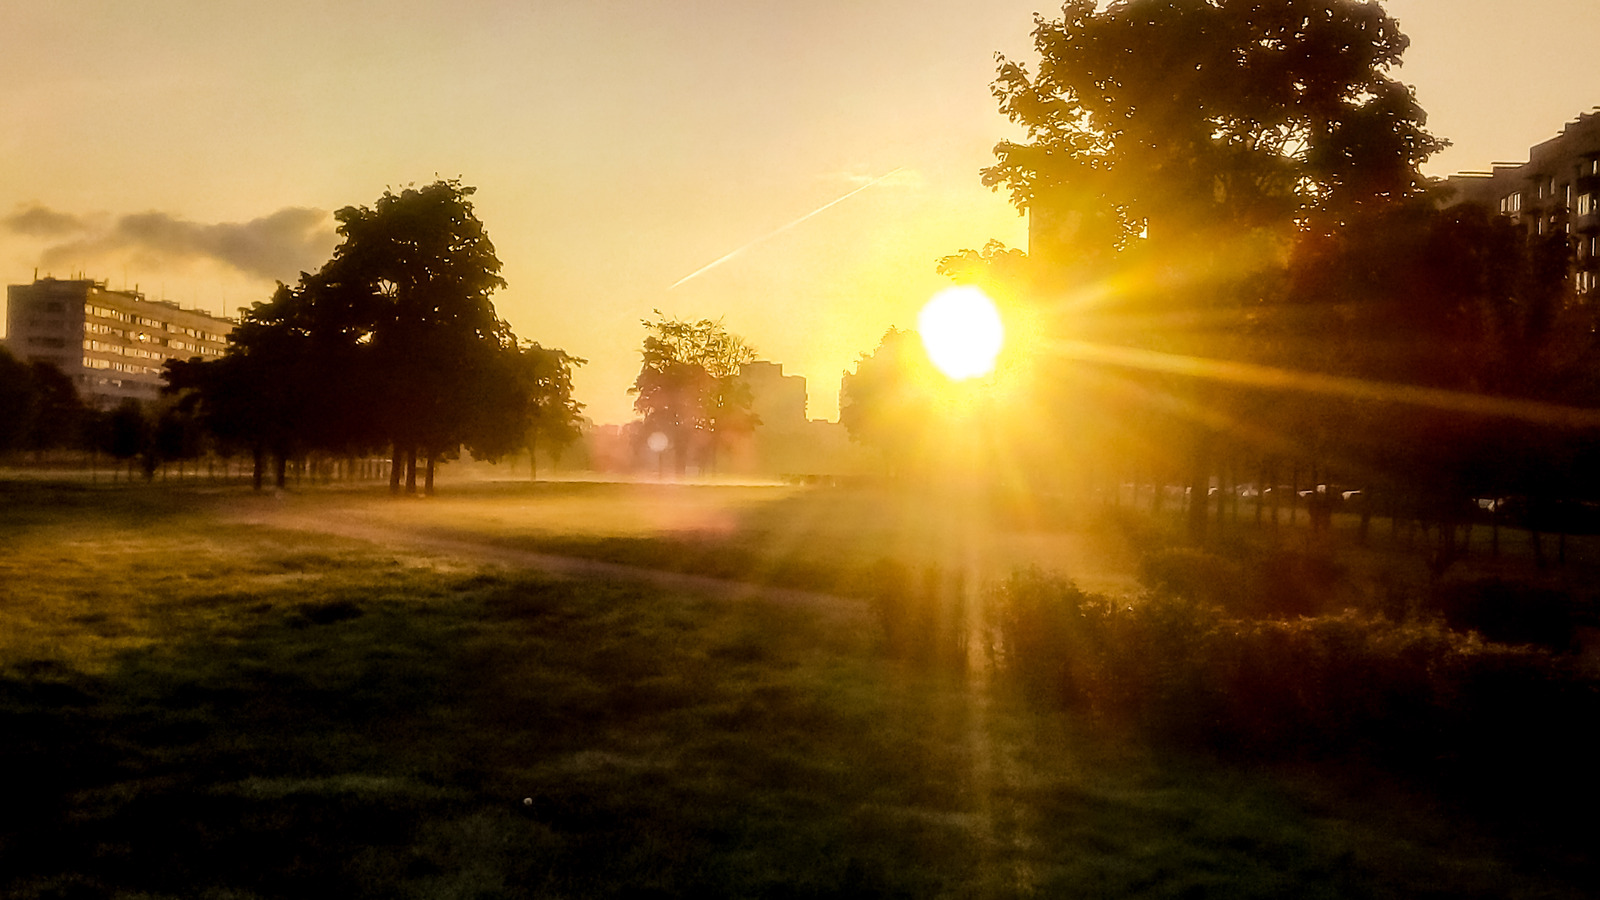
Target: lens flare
962, 332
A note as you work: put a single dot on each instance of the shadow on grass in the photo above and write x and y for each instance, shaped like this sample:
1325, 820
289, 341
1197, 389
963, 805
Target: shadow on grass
493, 737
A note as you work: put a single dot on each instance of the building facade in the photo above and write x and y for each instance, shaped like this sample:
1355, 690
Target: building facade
1557, 189
779, 400
112, 344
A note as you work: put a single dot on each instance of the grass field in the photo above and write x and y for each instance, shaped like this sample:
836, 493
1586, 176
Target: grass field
202, 699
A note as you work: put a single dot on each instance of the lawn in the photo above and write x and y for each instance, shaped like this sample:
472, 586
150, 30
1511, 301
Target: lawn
197, 703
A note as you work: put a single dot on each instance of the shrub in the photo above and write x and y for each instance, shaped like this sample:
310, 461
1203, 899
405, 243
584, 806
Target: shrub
1266, 583
1415, 693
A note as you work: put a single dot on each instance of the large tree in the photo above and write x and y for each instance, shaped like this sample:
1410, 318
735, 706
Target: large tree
411, 283
393, 343
688, 386
1176, 151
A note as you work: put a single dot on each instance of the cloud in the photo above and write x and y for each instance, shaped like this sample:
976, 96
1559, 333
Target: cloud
37, 221
277, 246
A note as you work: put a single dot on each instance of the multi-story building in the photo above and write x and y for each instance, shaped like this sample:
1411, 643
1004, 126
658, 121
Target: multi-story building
1557, 189
112, 344
779, 400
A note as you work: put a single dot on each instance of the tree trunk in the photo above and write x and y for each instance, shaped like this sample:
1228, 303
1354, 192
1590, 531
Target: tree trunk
1199, 486
280, 464
427, 480
396, 463
411, 469
260, 465
1294, 495
1366, 516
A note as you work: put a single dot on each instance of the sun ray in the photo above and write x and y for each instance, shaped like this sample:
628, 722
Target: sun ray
1271, 377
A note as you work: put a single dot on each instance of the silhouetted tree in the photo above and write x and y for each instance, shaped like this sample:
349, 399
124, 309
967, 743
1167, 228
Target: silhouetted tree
1183, 147
688, 386
887, 403
39, 406
17, 401
58, 412
264, 394
544, 376
410, 284
127, 435
393, 342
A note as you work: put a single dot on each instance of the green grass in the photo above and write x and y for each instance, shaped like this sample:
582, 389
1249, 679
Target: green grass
821, 539
199, 708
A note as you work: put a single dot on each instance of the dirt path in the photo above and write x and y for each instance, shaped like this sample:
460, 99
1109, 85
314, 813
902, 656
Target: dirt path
459, 548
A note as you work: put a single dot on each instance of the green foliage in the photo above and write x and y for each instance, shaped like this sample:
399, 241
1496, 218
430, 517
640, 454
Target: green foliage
1162, 114
395, 341
1417, 695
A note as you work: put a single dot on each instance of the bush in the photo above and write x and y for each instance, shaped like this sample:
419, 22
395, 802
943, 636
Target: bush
1414, 693
1267, 583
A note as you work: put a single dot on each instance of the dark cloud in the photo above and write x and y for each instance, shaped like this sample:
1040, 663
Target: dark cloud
277, 246
37, 221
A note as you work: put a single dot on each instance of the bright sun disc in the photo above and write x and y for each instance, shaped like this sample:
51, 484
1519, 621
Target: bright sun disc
961, 331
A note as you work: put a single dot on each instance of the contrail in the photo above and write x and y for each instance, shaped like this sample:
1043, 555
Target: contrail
781, 229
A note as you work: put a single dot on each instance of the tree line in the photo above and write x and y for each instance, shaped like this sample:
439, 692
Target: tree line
393, 346
1237, 271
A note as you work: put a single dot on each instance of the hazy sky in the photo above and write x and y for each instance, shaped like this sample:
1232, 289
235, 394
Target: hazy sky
197, 149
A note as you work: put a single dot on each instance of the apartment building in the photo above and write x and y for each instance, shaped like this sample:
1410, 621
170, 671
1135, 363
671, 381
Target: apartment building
112, 344
1557, 189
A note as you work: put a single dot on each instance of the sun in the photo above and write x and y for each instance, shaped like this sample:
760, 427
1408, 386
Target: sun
962, 332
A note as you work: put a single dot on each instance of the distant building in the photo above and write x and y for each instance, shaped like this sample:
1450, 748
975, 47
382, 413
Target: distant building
112, 344
1558, 188
786, 443
779, 400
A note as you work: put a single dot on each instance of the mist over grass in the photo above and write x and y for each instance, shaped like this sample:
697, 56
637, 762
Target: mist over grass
203, 705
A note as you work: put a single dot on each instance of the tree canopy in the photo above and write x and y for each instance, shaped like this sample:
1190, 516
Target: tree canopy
1230, 181
1171, 119
393, 343
551, 418
688, 386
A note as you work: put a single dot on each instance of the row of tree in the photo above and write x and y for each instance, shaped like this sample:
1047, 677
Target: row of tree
394, 345
39, 407
1236, 268
42, 416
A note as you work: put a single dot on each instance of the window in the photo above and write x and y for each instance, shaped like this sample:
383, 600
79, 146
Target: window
1511, 203
1585, 204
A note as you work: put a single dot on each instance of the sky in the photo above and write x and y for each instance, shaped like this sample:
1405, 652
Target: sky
196, 151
